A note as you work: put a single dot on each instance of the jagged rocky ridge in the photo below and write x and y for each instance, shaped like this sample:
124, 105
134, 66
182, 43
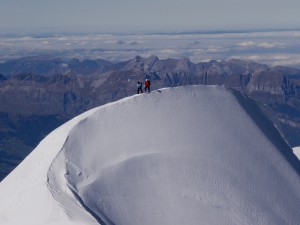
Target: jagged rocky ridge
53, 90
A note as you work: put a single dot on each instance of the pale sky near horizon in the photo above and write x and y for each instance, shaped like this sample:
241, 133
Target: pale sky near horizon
154, 15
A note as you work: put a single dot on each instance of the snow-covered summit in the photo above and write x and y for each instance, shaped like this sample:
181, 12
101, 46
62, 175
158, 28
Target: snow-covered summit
186, 155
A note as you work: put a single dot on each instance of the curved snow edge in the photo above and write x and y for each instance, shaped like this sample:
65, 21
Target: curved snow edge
67, 196
56, 182
61, 190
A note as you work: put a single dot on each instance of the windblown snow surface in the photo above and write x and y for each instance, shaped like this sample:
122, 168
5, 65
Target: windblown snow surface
189, 155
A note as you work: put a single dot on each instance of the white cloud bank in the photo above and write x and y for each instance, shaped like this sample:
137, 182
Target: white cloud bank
263, 46
260, 45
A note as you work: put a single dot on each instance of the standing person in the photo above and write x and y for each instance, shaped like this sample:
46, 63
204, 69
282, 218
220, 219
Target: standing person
139, 86
147, 85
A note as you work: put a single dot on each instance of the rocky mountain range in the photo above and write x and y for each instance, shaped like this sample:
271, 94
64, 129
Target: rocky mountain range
37, 94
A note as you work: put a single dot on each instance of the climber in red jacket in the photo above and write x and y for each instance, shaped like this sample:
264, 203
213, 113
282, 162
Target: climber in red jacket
147, 85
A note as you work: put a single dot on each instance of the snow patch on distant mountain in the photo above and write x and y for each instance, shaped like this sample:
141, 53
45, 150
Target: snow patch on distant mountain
296, 151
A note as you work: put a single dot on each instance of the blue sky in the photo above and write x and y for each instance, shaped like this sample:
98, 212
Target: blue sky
154, 15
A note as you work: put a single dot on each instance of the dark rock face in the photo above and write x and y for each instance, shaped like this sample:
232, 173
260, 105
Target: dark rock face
19, 134
48, 65
2, 77
38, 65
41, 93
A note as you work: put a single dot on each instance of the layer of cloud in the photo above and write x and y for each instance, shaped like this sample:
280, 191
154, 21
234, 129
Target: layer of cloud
273, 48
292, 60
260, 44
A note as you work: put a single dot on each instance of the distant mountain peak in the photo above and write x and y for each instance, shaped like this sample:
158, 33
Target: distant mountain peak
138, 58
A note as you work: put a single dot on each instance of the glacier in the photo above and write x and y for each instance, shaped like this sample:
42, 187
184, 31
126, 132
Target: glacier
184, 155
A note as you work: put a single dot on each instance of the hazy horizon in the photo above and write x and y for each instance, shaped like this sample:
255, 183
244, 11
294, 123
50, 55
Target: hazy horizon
10, 32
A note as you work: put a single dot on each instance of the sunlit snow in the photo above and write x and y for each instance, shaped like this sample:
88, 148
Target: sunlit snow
186, 155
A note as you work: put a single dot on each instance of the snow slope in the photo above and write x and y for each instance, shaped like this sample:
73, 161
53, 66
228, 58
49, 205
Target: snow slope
24, 194
296, 151
186, 155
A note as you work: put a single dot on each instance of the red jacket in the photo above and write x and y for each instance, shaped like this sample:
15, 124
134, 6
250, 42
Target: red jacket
147, 83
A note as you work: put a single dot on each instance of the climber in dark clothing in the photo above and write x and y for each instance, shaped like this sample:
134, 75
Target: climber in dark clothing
139, 86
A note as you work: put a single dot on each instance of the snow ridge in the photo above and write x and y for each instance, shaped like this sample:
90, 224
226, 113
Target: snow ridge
178, 156
174, 156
